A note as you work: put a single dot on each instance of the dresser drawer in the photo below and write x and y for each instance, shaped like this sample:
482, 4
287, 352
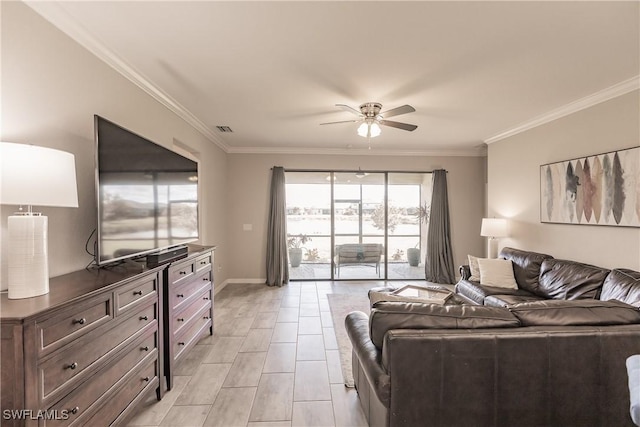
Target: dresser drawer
184, 318
64, 366
79, 404
204, 262
189, 337
136, 293
180, 295
181, 272
71, 324
143, 379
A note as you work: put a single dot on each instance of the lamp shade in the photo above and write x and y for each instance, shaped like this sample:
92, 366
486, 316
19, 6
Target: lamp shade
37, 176
494, 227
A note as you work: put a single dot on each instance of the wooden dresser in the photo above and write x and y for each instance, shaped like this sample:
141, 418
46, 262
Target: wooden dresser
188, 305
86, 353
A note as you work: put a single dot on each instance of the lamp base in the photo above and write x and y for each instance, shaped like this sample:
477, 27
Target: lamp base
28, 265
492, 247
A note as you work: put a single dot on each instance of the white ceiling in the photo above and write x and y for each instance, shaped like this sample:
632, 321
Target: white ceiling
273, 71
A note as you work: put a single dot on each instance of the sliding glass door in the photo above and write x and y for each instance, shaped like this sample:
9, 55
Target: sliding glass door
409, 195
309, 225
357, 225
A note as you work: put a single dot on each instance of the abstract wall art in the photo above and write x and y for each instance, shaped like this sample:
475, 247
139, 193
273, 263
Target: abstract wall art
598, 190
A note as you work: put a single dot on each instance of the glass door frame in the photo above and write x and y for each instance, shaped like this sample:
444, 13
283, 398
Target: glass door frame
332, 219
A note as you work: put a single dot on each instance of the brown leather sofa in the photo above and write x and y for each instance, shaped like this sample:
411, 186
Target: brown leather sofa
537, 362
540, 277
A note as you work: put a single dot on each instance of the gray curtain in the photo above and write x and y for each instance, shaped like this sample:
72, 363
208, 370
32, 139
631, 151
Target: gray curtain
439, 258
277, 256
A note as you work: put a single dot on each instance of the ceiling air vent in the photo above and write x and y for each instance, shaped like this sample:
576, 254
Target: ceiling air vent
226, 129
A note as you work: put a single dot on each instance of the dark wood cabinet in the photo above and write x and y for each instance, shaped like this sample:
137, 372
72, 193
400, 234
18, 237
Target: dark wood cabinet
94, 347
86, 353
188, 306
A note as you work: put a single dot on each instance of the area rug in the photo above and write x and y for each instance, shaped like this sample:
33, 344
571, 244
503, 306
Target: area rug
341, 305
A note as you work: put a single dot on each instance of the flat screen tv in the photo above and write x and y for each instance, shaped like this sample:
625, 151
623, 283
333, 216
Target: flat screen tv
147, 195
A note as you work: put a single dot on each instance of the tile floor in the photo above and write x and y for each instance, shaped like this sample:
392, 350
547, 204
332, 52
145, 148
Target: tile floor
272, 361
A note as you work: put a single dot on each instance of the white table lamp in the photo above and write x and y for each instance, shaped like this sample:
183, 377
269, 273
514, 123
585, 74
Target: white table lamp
32, 175
493, 228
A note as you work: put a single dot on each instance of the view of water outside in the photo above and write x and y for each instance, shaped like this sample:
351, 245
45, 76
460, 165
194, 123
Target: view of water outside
359, 217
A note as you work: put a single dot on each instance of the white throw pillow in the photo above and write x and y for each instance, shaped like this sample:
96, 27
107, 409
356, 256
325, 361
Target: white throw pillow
473, 267
497, 272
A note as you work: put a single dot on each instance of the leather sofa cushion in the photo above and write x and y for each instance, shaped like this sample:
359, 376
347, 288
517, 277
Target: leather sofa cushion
407, 315
622, 285
562, 279
507, 300
476, 293
575, 313
526, 267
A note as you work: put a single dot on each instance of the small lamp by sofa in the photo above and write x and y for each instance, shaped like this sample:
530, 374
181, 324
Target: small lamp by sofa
493, 228
32, 175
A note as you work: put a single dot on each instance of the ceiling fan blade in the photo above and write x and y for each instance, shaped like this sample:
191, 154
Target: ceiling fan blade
349, 109
343, 121
397, 111
403, 126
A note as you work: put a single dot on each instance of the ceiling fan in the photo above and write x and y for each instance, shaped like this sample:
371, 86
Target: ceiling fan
371, 118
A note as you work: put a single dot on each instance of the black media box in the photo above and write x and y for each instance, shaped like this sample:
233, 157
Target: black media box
167, 255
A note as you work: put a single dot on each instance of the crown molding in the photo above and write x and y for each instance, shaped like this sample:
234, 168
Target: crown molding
60, 18
614, 91
480, 151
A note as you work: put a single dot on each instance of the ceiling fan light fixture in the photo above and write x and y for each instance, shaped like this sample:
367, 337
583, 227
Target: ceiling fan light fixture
363, 130
361, 174
371, 118
374, 129
369, 129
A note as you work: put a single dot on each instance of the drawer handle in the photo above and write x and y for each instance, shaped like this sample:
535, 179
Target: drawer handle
75, 410
203, 262
180, 319
73, 366
180, 295
205, 279
80, 321
206, 298
144, 318
206, 318
146, 379
145, 348
180, 343
137, 292
182, 273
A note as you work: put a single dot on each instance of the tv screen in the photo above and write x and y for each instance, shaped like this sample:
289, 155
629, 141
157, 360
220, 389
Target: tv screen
147, 195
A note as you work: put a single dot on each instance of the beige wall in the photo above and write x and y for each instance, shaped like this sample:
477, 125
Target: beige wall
514, 192
249, 182
51, 88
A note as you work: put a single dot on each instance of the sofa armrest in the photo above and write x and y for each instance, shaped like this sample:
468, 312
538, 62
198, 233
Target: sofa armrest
465, 272
357, 325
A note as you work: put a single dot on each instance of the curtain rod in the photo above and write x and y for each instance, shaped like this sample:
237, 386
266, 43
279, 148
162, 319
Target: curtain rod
353, 170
